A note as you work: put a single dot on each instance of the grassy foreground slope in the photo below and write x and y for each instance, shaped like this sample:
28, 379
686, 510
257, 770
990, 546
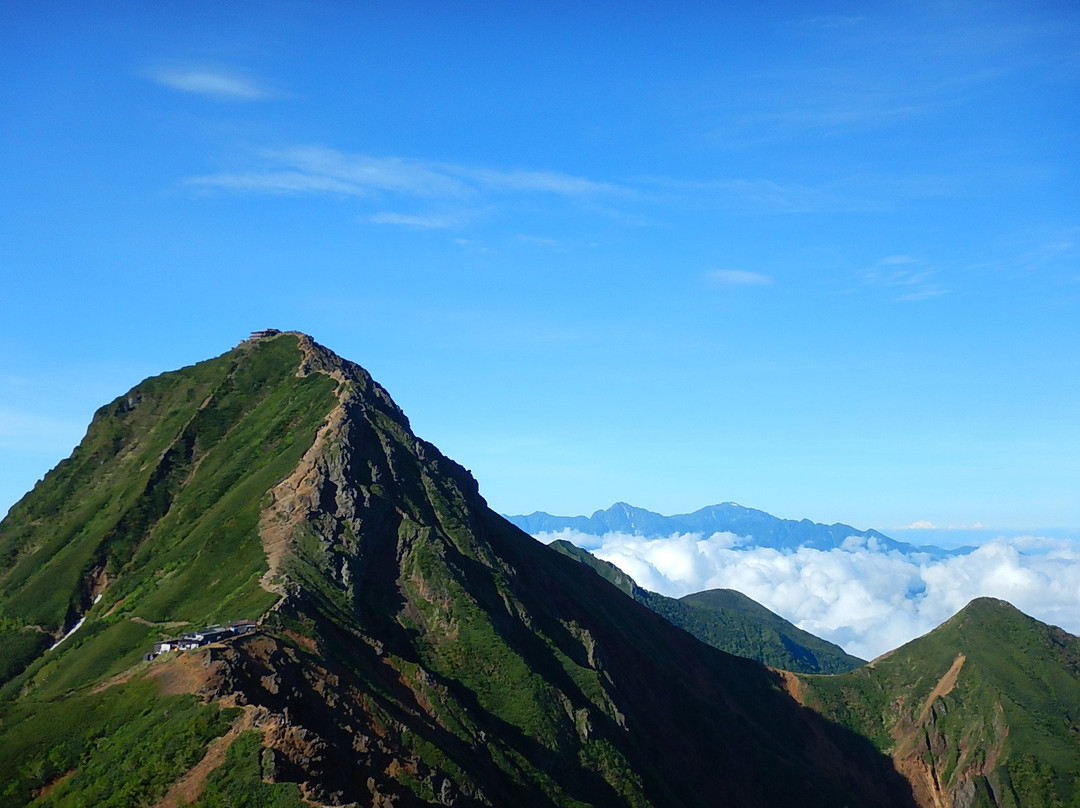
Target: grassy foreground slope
730, 621
983, 711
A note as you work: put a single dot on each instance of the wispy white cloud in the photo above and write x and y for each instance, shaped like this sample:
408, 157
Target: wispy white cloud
926, 524
317, 169
420, 222
278, 182
924, 293
1044, 251
896, 260
536, 182
633, 201
391, 174
320, 170
540, 241
213, 82
904, 279
736, 277
880, 72
866, 600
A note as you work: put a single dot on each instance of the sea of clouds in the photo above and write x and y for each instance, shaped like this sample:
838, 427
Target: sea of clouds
859, 596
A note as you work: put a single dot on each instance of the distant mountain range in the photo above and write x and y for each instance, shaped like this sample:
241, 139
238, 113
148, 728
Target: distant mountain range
758, 527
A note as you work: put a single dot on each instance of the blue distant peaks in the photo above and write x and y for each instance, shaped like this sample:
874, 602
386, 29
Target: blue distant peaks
760, 528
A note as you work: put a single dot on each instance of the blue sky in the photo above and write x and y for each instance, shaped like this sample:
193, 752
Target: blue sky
817, 258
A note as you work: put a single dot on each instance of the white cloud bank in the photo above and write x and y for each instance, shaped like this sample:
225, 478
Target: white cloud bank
859, 597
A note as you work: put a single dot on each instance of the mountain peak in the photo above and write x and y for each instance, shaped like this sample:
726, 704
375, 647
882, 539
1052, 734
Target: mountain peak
989, 605
357, 383
986, 620
412, 647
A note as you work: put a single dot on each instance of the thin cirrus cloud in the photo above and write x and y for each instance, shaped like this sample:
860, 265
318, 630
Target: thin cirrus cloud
904, 278
419, 222
317, 170
538, 182
212, 82
863, 598
320, 170
736, 277
278, 182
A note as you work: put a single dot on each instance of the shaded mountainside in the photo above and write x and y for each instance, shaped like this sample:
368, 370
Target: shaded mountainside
759, 528
983, 711
792, 648
414, 648
730, 621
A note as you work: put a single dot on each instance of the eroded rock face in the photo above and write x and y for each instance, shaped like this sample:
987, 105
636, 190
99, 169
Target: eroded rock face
944, 769
920, 743
320, 728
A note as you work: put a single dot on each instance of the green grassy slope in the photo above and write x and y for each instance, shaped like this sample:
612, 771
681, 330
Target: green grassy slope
730, 621
118, 748
158, 508
746, 625
157, 512
987, 706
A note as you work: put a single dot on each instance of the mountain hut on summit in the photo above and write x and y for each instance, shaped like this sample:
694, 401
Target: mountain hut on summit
266, 332
202, 637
